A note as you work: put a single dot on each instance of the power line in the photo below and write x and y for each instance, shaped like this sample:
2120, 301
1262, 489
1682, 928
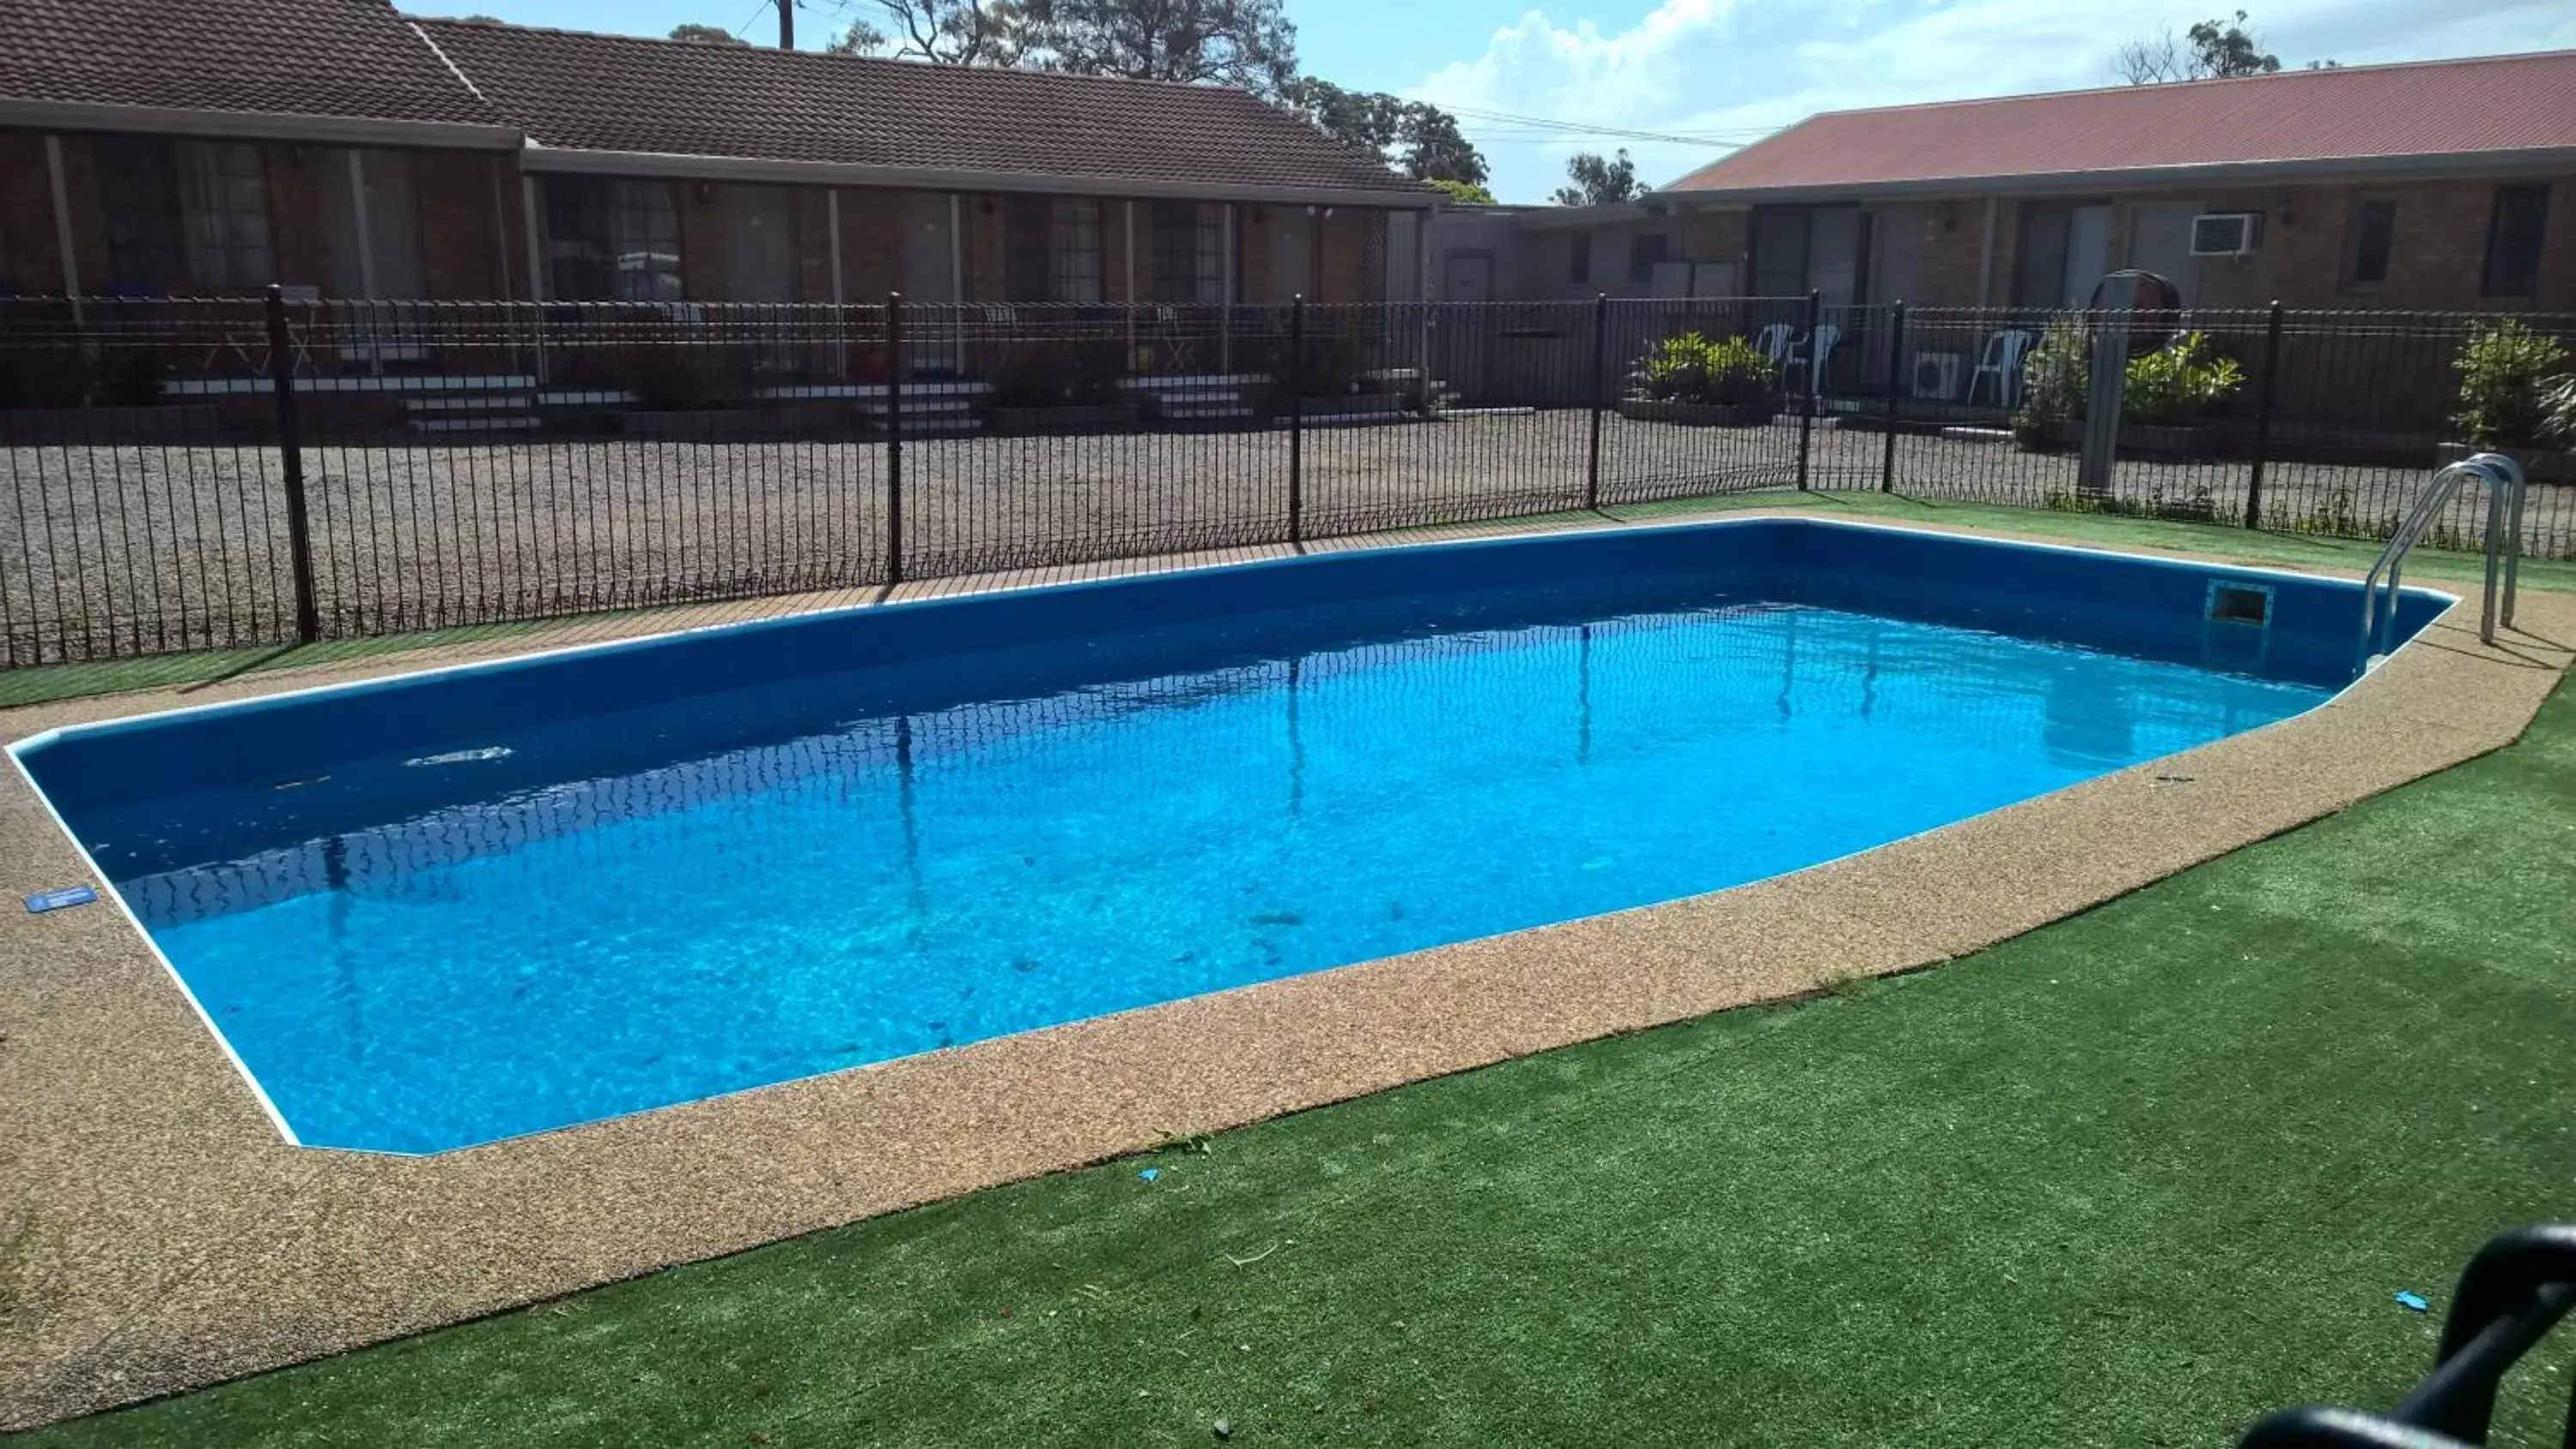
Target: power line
1525, 125
756, 12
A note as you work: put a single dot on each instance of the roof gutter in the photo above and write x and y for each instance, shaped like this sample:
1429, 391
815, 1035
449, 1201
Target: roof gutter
548, 160
2446, 166
255, 125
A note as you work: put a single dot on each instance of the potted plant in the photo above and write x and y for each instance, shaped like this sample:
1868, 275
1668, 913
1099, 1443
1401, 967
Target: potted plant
2517, 397
2052, 387
2168, 396
2166, 400
1691, 380
1057, 385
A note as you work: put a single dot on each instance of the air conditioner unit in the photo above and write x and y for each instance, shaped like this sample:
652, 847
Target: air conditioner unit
2224, 233
1936, 375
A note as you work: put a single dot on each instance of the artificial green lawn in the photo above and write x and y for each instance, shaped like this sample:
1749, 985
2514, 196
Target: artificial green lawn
2129, 1180
164, 671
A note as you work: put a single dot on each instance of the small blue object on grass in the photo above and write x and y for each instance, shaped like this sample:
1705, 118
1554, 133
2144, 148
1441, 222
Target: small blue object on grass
61, 898
1149, 1174
2413, 1300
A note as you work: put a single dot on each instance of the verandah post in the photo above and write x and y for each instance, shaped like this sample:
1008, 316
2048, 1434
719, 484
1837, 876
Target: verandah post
290, 451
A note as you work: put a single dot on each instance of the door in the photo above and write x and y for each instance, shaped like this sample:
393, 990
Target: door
1897, 234
929, 259
759, 243
1468, 277
2088, 252
2160, 242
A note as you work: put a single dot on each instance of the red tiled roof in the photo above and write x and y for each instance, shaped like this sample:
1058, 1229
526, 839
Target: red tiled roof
339, 58
622, 93
2484, 106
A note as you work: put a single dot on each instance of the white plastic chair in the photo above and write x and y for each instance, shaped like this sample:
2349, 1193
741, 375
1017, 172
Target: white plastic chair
1827, 337
2001, 360
1773, 342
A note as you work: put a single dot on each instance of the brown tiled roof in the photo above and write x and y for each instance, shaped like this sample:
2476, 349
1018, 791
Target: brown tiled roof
341, 58
623, 93
2362, 114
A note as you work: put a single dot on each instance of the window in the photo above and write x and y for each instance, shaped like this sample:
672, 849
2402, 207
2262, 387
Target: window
2513, 240
186, 216
1189, 251
2369, 228
1645, 253
1073, 256
1578, 259
1051, 249
611, 241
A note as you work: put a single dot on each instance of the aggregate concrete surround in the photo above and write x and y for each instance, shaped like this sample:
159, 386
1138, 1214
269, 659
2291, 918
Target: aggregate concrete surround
156, 1234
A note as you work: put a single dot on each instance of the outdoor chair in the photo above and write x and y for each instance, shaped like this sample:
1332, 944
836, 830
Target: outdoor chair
1824, 340
2001, 360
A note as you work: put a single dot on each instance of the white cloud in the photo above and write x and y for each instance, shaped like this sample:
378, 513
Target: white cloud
1746, 67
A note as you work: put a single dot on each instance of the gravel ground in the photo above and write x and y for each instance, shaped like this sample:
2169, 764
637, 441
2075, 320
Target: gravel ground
118, 551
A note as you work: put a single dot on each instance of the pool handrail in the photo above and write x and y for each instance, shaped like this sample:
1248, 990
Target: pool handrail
2504, 482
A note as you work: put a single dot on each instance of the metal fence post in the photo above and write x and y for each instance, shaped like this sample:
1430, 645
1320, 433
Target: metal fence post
894, 438
1807, 389
290, 451
1297, 418
1600, 384
2263, 417
1895, 390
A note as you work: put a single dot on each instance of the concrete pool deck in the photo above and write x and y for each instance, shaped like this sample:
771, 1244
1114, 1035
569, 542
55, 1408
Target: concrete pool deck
155, 1234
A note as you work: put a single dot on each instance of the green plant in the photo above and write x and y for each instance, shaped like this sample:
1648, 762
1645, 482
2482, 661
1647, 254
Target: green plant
46, 377
2177, 382
2558, 412
1331, 367
1692, 369
2507, 374
2052, 386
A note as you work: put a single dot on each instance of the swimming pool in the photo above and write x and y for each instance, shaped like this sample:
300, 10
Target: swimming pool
469, 904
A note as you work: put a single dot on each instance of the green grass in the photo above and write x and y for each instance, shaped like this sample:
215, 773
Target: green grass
2133, 1179
162, 671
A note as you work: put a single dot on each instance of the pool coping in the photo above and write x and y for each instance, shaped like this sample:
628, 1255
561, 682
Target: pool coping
158, 1234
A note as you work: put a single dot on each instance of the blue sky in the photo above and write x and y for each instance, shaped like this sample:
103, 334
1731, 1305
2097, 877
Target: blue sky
1719, 69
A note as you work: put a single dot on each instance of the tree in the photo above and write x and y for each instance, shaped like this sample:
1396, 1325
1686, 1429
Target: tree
1599, 182
2210, 50
1416, 137
945, 32
707, 35
1465, 193
1247, 43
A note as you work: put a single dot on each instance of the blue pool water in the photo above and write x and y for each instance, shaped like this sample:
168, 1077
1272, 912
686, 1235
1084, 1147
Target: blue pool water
495, 930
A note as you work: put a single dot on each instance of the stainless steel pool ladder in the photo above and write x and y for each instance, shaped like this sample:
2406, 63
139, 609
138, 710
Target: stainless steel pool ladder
2504, 483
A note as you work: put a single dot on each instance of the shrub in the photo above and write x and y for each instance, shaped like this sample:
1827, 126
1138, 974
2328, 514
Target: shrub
2507, 376
1071, 372
2053, 384
1692, 369
2173, 384
2558, 413
2178, 382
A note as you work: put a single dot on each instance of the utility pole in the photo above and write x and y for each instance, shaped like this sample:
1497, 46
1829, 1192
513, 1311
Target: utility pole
786, 23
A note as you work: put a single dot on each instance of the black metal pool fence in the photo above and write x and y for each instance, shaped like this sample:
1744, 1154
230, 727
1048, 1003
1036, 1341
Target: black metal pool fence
204, 474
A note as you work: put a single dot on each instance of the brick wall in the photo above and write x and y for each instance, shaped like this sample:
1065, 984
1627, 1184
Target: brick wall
871, 244
1252, 232
299, 215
